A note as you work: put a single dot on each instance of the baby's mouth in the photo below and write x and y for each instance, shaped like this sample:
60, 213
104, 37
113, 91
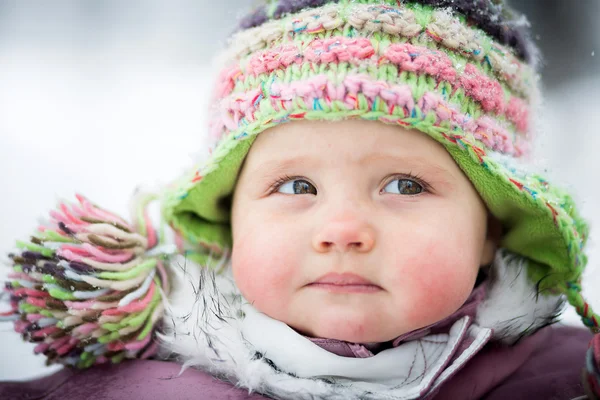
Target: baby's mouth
345, 283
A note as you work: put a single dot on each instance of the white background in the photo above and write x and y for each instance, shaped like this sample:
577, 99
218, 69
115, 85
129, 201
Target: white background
100, 108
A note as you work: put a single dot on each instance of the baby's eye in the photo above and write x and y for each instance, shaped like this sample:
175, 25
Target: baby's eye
403, 186
297, 186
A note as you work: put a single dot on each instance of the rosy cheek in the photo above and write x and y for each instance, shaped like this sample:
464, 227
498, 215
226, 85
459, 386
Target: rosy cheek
440, 294
433, 287
263, 270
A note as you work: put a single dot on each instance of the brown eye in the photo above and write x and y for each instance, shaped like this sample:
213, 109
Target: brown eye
298, 186
404, 187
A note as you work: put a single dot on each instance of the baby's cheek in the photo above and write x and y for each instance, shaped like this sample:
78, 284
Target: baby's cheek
436, 286
262, 271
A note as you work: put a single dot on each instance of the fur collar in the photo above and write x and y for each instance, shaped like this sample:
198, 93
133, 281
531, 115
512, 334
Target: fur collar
206, 327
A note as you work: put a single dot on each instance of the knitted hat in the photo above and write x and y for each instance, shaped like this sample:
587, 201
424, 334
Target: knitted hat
462, 72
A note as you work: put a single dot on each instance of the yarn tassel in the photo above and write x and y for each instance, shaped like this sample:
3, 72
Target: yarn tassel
573, 291
85, 288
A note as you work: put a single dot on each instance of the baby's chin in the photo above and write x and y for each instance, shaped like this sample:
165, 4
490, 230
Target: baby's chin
355, 326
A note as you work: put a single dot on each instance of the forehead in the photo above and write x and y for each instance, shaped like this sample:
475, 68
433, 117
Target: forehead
354, 140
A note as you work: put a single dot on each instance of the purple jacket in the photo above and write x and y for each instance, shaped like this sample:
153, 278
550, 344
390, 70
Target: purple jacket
547, 365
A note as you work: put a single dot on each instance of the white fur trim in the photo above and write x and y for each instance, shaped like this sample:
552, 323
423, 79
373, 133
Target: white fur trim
513, 308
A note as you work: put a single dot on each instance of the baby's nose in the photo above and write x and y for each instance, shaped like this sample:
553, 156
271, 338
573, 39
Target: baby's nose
344, 236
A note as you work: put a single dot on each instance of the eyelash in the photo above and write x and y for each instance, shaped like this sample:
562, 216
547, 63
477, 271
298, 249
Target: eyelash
410, 176
415, 177
280, 181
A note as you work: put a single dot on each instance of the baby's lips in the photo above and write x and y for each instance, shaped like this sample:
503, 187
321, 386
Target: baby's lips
345, 279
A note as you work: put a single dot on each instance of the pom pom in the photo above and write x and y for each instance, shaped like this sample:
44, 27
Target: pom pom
85, 287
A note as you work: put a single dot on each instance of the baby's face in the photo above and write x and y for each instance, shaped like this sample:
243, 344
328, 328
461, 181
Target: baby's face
355, 230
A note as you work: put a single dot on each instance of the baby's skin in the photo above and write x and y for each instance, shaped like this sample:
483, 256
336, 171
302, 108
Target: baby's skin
355, 230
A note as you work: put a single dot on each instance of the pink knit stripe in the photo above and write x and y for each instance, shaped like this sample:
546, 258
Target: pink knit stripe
486, 91
518, 112
421, 60
359, 51
398, 21
241, 109
336, 49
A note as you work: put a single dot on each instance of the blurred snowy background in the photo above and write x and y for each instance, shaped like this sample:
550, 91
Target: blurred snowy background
101, 96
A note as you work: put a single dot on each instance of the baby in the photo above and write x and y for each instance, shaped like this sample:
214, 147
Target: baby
367, 178
347, 237
365, 226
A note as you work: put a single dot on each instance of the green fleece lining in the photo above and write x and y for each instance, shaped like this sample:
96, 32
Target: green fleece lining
202, 213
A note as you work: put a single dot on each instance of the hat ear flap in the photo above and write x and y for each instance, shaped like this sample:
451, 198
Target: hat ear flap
86, 289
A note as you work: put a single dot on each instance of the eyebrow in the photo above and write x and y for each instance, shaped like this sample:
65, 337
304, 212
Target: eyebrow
407, 161
275, 166
390, 157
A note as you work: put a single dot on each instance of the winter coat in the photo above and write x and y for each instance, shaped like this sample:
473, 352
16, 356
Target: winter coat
506, 350
549, 368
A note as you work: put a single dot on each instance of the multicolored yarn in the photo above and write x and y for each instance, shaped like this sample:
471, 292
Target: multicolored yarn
494, 18
296, 52
408, 23
405, 57
320, 94
461, 74
85, 287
